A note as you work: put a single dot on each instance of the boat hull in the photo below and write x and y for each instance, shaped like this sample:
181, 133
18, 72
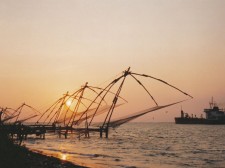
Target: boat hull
179, 120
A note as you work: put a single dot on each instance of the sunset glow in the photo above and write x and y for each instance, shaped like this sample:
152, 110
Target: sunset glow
112, 83
51, 47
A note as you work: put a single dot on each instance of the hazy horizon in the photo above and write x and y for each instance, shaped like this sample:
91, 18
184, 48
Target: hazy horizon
49, 47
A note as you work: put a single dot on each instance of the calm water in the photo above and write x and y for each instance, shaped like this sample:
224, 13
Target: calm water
143, 145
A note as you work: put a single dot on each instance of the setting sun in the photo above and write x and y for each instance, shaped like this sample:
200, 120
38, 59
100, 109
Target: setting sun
68, 102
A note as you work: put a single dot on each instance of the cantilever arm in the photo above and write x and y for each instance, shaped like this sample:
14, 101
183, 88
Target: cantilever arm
163, 82
109, 92
145, 89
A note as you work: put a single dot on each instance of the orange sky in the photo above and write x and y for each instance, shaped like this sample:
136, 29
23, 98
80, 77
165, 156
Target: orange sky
48, 47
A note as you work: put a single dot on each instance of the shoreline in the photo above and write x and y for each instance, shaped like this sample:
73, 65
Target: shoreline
38, 159
14, 156
57, 156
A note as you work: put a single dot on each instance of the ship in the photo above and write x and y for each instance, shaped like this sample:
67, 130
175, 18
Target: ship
213, 115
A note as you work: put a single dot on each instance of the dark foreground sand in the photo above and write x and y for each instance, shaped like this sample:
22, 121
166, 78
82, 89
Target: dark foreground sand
14, 156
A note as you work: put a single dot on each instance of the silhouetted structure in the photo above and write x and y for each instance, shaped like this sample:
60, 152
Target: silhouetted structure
214, 115
74, 113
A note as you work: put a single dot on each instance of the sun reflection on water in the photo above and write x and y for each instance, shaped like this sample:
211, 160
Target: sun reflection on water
63, 156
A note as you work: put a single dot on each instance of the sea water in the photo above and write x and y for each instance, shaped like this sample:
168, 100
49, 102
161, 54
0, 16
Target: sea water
144, 145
